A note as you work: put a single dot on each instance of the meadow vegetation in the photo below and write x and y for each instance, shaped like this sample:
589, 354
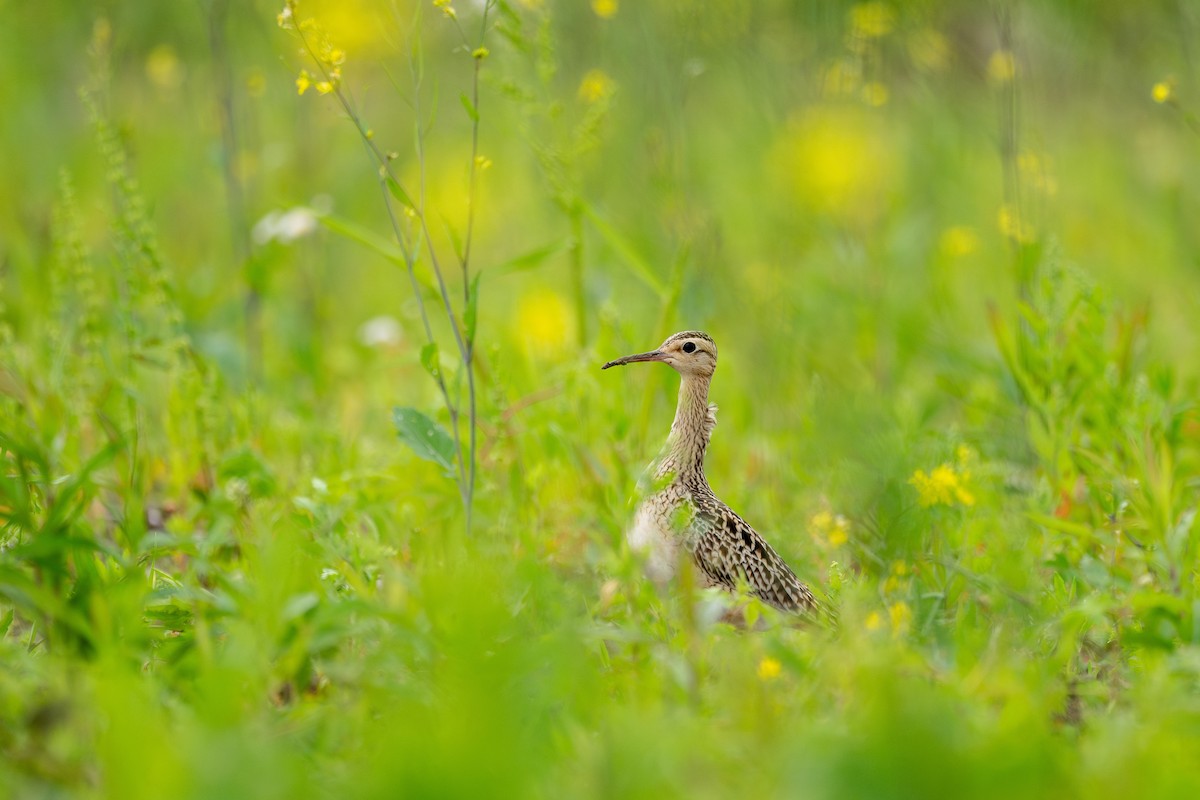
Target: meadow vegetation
311, 485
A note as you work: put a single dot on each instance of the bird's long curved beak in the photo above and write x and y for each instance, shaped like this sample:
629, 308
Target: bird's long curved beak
653, 355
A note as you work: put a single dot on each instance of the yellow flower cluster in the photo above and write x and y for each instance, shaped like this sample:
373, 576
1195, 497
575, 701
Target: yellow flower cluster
164, 68
839, 159
829, 529
872, 20
958, 241
1009, 220
317, 45
1001, 67
769, 669
875, 94
1037, 171
1163, 91
544, 324
844, 76
899, 619
898, 579
596, 86
605, 9
900, 616
945, 485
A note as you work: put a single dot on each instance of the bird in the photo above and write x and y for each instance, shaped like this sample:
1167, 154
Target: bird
681, 516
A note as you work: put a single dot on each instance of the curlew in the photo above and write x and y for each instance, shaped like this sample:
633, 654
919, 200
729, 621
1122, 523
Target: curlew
682, 515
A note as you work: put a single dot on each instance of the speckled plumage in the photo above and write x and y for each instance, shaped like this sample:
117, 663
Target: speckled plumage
681, 515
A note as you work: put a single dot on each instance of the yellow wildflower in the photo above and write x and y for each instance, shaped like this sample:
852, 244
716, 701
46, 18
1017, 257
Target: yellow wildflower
874, 621
325, 87
595, 86
1163, 91
875, 93
605, 9
841, 77
839, 159
164, 68
1011, 225
942, 487
482, 162
480, 53
896, 580
1036, 170
841, 531
769, 669
900, 616
1002, 67
827, 528
872, 20
303, 82
544, 323
958, 241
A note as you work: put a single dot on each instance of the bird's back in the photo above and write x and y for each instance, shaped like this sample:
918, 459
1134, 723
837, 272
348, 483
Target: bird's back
728, 551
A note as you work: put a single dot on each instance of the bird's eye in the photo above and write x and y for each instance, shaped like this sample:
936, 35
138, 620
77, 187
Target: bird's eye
689, 347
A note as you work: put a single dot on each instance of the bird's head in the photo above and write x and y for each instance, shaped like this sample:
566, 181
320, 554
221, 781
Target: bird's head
690, 353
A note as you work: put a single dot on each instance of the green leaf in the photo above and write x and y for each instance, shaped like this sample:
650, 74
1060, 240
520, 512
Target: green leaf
1084, 532
623, 248
429, 360
398, 192
248, 466
300, 604
426, 438
530, 260
469, 106
357, 233
472, 307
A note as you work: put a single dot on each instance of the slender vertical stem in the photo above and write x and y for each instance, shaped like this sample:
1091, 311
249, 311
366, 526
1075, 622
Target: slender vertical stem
464, 340
1009, 144
578, 287
409, 255
469, 357
234, 191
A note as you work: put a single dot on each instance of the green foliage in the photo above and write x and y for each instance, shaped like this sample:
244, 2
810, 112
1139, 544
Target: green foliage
425, 437
956, 385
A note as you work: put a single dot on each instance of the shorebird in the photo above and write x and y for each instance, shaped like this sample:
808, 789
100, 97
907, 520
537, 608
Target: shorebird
682, 515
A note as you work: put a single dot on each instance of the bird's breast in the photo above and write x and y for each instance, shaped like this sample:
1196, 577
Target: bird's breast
660, 529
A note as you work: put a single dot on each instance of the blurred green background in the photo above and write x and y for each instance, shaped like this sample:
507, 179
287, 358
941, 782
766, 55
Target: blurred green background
949, 253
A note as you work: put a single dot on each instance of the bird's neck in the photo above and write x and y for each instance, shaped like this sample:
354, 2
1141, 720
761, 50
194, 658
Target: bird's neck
694, 421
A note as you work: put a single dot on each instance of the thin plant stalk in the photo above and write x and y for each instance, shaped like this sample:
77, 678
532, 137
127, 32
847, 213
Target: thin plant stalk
235, 195
403, 241
464, 340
